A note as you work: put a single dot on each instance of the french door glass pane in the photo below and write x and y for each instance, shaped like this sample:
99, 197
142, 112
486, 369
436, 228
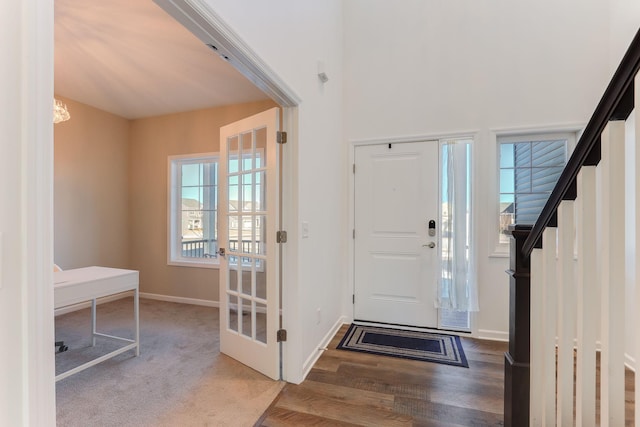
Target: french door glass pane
261, 323
247, 318
247, 151
233, 194
232, 315
261, 138
246, 281
261, 279
232, 150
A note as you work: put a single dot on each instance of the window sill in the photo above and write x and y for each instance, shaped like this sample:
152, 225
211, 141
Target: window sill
194, 264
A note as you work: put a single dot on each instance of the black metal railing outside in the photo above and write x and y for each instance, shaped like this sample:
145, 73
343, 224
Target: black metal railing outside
206, 248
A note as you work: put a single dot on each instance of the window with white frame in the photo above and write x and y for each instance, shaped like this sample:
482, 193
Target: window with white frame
193, 213
529, 167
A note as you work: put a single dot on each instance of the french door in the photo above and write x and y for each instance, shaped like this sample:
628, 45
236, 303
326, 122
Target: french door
247, 224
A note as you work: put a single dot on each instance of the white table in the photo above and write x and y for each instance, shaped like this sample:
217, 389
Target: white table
87, 284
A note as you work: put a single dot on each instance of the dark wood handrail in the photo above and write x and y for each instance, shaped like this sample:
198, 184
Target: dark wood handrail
616, 104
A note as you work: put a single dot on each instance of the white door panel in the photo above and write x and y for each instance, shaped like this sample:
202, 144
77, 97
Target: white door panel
247, 224
396, 195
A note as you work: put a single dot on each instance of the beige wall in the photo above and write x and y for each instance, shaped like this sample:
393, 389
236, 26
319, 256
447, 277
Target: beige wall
152, 140
91, 189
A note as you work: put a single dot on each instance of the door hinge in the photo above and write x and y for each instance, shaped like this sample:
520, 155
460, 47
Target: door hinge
354, 168
281, 137
354, 233
281, 237
281, 335
353, 299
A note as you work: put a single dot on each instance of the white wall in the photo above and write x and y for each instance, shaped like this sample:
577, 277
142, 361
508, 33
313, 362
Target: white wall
624, 23
432, 67
26, 160
291, 36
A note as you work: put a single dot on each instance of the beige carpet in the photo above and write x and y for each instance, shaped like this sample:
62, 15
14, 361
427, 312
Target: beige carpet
180, 378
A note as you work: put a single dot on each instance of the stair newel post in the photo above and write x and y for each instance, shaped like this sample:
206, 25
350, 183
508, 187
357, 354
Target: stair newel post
516, 366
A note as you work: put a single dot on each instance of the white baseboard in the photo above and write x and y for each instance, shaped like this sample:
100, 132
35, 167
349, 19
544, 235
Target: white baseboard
314, 356
87, 304
487, 334
180, 300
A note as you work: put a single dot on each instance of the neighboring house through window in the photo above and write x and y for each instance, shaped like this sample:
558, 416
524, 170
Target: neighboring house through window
530, 166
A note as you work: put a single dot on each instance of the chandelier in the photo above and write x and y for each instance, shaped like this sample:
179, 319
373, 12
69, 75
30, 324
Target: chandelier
60, 112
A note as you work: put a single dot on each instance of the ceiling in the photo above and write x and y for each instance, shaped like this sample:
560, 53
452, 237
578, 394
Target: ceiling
130, 58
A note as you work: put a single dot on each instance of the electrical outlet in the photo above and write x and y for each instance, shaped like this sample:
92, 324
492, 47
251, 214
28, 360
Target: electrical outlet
305, 230
318, 317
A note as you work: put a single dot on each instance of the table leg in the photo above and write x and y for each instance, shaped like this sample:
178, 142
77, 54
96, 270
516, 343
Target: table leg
93, 322
136, 314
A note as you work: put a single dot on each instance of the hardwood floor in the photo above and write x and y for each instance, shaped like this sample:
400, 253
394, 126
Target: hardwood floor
346, 388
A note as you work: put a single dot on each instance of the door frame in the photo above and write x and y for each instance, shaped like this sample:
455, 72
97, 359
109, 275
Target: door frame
353, 144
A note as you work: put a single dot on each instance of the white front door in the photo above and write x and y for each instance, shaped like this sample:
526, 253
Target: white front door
396, 257
247, 224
